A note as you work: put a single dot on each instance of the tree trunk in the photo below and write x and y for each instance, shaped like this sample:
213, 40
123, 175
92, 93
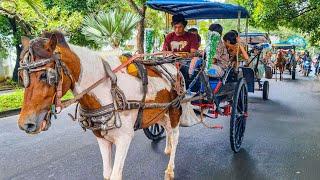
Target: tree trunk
140, 28
18, 48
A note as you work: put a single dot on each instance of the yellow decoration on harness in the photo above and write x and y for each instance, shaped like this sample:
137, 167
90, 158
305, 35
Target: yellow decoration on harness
131, 68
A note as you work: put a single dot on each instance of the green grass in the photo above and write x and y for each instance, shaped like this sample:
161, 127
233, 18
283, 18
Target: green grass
14, 99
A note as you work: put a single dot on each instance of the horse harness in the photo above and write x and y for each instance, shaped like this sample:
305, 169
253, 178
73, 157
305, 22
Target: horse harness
52, 76
106, 117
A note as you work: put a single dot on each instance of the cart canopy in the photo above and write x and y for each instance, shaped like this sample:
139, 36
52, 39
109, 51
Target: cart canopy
255, 38
283, 46
199, 9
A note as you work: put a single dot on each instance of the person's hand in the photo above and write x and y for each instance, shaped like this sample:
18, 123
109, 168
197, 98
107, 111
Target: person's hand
238, 40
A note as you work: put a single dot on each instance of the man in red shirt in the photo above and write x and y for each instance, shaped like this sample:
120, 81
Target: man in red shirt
180, 40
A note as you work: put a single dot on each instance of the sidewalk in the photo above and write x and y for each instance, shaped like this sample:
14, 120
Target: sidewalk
6, 91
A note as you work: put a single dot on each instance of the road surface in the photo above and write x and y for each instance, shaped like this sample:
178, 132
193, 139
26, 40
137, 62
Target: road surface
281, 142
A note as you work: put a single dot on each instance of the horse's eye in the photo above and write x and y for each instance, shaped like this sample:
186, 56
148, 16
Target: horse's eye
43, 76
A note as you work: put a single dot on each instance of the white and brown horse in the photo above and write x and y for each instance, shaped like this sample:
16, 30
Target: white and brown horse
86, 67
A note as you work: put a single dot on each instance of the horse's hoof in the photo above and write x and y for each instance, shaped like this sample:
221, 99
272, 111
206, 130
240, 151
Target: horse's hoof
169, 174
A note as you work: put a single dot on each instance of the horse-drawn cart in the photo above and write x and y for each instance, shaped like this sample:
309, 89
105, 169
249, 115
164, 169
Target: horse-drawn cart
213, 96
256, 42
112, 102
290, 63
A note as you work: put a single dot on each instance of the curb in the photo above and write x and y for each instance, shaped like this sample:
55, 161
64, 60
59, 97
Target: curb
11, 112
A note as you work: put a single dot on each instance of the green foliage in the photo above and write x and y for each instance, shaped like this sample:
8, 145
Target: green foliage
14, 99
300, 15
81, 40
4, 26
154, 19
113, 27
11, 100
4, 40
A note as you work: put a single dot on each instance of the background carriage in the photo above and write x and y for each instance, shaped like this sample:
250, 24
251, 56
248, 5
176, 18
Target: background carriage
231, 90
291, 63
260, 41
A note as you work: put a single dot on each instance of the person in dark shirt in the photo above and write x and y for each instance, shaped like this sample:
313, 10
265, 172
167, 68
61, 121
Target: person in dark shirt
195, 31
180, 40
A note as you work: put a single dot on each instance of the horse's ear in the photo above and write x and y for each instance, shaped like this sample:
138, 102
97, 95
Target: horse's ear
53, 42
25, 41
46, 34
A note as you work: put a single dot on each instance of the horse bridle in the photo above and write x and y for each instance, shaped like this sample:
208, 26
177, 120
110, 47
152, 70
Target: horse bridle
54, 76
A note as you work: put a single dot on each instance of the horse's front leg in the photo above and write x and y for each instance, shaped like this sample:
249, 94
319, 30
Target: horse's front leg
169, 173
122, 143
105, 149
276, 72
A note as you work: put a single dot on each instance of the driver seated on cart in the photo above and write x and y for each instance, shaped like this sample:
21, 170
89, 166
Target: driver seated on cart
180, 40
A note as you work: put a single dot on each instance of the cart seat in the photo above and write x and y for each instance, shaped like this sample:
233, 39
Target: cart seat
248, 74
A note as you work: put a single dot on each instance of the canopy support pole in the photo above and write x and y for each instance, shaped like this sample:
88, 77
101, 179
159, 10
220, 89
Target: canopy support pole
167, 22
239, 17
238, 45
247, 29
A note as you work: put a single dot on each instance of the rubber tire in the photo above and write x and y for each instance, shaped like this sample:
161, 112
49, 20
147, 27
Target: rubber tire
265, 90
154, 136
236, 140
293, 75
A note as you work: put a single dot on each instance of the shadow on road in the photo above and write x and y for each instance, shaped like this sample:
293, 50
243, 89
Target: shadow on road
244, 166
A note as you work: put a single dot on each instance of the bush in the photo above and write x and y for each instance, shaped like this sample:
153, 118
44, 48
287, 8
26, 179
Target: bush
14, 99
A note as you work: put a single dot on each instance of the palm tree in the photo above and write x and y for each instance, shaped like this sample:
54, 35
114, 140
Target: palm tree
111, 28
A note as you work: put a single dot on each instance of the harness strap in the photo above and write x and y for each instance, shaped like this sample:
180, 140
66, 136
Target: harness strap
144, 77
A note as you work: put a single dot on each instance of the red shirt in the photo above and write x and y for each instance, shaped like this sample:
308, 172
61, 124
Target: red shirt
183, 43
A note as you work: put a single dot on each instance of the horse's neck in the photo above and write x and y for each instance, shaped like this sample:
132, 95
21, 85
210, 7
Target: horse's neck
91, 71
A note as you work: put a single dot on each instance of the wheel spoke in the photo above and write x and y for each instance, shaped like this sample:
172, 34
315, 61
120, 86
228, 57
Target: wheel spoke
239, 131
158, 128
154, 130
243, 99
239, 102
237, 124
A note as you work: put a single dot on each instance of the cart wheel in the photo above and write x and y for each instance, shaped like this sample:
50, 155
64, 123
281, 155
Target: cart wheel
265, 90
154, 132
293, 74
238, 115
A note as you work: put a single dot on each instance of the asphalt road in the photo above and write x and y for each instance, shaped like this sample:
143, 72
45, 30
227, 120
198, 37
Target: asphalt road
281, 142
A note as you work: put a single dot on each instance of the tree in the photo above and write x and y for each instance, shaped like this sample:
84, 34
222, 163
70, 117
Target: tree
112, 28
300, 15
12, 23
30, 18
140, 8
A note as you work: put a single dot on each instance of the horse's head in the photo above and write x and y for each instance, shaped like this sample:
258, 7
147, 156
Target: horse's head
41, 72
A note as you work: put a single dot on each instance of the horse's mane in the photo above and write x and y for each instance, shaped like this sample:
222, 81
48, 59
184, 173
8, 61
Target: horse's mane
60, 37
84, 53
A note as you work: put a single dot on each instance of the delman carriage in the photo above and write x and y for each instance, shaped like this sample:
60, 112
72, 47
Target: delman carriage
113, 103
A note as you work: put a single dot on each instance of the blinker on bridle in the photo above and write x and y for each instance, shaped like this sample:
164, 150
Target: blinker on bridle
28, 66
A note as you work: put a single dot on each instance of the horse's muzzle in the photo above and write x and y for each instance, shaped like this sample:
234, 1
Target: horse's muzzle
34, 124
